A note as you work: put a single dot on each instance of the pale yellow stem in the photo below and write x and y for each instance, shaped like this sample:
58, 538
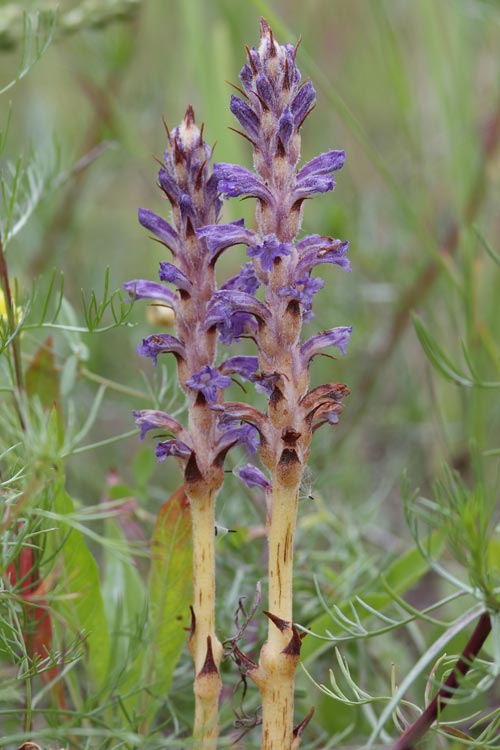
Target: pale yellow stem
204, 645
276, 672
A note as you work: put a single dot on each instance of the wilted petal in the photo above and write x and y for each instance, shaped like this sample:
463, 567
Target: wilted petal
150, 419
175, 448
235, 180
172, 274
338, 337
246, 116
252, 476
315, 249
160, 343
144, 289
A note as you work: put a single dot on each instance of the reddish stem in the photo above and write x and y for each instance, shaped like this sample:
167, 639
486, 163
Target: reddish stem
416, 731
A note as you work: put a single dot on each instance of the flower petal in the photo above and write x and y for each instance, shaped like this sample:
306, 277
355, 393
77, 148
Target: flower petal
161, 229
144, 289
221, 236
338, 337
207, 381
303, 102
175, 448
245, 281
315, 249
234, 180
246, 116
244, 366
252, 476
161, 343
173, 275
150, 419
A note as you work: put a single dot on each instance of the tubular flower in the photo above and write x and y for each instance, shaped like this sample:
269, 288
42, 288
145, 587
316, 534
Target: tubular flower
271, 112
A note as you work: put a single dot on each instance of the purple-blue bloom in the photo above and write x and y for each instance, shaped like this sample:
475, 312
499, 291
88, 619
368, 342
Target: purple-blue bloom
234, 180
253, 477
338, 337
175, 448
207, 381
221, 236
244, 366
161, 343
161, 229
173, 275
144, 289
269, 250
303, 289
245, 281
151, 419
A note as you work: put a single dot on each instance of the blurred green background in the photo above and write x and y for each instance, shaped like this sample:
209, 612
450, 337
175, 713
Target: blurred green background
411, 91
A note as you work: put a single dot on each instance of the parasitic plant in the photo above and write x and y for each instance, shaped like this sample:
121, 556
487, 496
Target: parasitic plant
186, 180
273, 106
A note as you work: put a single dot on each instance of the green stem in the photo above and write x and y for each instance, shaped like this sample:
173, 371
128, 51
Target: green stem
11, 318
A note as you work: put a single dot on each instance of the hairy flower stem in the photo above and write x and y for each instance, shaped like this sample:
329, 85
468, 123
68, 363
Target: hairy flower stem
204, 645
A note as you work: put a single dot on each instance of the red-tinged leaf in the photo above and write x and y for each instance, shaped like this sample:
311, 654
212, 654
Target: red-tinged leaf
42, 378
170, 586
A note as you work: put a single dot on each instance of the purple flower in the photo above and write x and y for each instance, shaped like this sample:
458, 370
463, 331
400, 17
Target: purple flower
315, 249
245, 115
173, 275
243, 366
234, 180
244, 435
143, 289
235, 327
160, 228
302, 103
303, 289
225, 303
207, 381
316, 176
338, 337
175, 448
221, 236
161, 343
253, 477
269, 251
245, 281
150, 419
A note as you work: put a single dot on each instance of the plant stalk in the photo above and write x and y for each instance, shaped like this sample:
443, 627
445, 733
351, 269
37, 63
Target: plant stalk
204, 646
416, 731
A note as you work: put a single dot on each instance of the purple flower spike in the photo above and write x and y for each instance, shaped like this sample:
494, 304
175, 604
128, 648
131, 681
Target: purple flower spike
253, 477
160, 228
207, 381
161, 343
175, 448
143, 289
245, 281
269, 251
150, 419
338, 337
172, 274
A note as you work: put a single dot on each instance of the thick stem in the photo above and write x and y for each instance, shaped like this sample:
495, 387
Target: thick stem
280, 653
204, 645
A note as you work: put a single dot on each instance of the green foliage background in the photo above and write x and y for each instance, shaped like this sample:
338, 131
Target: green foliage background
411, 91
